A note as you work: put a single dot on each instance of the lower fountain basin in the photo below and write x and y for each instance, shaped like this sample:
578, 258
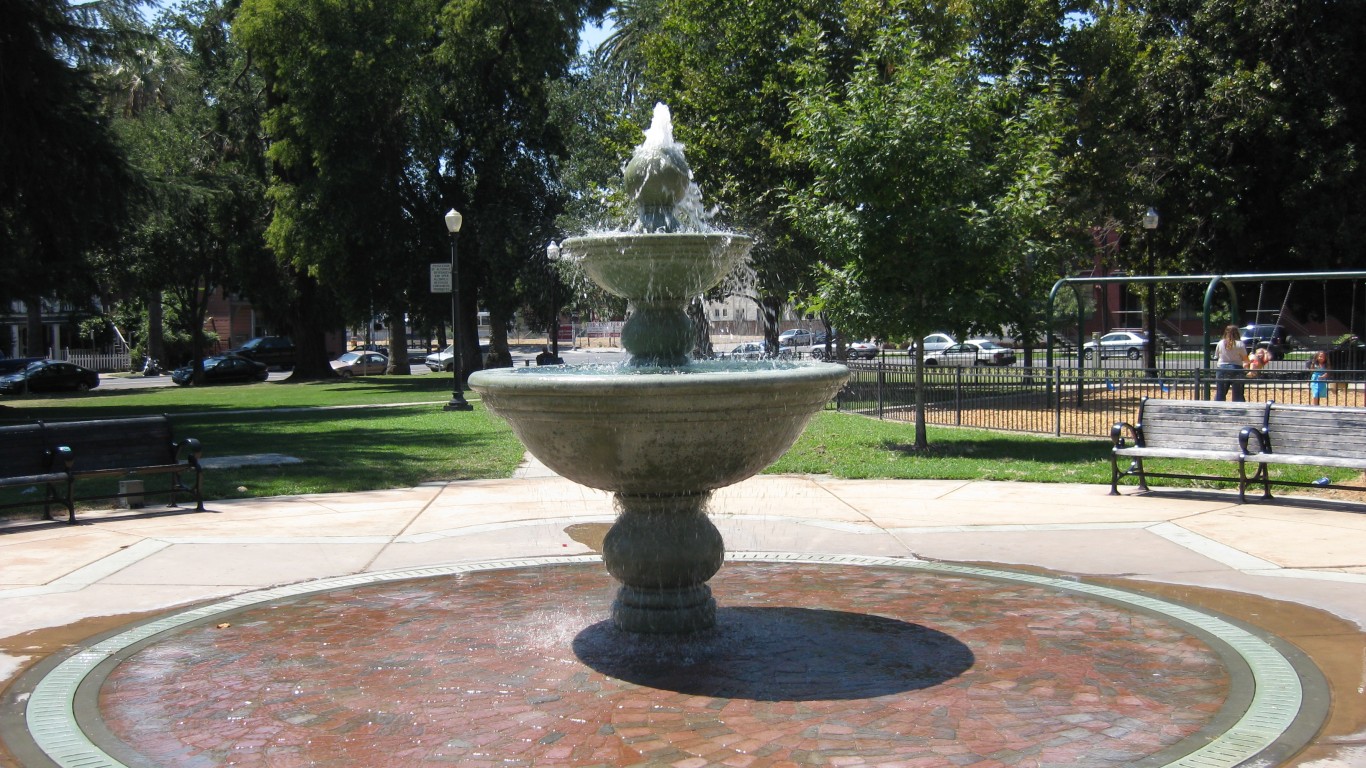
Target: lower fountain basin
662, 431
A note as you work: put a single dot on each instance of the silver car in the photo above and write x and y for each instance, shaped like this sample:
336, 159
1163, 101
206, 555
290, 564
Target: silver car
935, 342
1116, 344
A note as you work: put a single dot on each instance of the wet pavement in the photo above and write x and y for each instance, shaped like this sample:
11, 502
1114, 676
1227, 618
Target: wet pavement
917, 623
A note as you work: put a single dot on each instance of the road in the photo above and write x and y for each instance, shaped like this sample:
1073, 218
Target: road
597, 355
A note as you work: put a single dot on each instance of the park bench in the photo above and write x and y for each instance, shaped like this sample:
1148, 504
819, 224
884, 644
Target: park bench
1183, 429
27, 460
124, 448
1305, 435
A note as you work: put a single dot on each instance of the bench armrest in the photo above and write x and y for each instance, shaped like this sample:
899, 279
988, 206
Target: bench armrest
1118, 431
192, 447
1248, 435
60, 458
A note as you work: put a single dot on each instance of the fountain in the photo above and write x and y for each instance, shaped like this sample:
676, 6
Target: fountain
661, 432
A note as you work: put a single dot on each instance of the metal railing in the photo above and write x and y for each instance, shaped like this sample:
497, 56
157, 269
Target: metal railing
1059, 400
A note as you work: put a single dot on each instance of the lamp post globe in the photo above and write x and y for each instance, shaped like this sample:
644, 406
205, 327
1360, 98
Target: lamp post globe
457, 402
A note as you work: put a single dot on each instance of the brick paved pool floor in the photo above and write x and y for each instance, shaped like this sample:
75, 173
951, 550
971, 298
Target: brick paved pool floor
810, 664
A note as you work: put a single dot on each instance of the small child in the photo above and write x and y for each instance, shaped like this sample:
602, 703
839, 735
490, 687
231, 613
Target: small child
1318, 378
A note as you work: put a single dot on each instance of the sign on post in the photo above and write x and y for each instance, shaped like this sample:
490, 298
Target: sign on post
441, 277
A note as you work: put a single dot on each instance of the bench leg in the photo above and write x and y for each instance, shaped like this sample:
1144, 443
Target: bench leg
67, 501
1242, 481
1264, 473
1137, 468
1114, 476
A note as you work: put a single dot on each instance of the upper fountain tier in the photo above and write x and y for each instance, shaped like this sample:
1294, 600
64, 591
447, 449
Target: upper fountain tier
668, 258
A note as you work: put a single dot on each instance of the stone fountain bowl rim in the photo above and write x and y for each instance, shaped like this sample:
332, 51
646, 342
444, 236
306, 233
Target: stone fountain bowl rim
738, 375
605, 238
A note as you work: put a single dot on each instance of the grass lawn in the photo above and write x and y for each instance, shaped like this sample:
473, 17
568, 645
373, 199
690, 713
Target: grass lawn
851, 446
390, 432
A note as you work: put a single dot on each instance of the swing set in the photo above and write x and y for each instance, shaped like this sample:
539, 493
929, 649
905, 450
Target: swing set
1213, 283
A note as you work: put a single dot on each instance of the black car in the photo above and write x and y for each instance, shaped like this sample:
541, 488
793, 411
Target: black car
271, 350
1268, 336
10, 365
223, 369
49, 376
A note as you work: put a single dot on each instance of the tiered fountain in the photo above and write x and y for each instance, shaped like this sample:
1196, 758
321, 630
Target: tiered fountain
661, 432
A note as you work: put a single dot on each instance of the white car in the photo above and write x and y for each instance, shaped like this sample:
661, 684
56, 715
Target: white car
972, 352
441, 361
854, 350
1116, 344
935, 342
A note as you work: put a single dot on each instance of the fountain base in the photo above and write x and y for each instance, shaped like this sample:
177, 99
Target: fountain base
663, 549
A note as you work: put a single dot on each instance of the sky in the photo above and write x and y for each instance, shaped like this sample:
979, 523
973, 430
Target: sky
593, 34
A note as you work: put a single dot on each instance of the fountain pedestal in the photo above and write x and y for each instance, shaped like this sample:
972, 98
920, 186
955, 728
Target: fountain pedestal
663, 549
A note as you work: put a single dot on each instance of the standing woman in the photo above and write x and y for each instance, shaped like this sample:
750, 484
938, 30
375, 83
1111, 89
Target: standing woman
1231, 358
1318, 378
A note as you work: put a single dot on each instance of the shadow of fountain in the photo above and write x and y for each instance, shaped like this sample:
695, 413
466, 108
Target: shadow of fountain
780, 654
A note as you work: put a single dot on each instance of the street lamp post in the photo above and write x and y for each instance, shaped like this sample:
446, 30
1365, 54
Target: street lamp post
552, 252
457, 403
1150, 220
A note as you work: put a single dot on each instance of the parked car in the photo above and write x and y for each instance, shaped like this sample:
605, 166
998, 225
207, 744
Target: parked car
935, 342
972, 352
49, 376
796, 337
271, 350
223, 369
867, 349
360, 364
10, 365
1273, 338
1116, 344
441, 361
854, 349
756, 350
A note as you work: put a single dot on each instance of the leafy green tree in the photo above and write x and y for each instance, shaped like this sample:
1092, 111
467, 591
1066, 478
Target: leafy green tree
930, 183
197, 144
340, 118
1238, 120
499, 149
65, 185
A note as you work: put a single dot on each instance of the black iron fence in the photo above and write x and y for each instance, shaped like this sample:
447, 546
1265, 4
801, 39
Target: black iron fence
1062, 400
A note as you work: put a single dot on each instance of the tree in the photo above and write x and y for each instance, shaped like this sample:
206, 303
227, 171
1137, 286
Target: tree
64, 183
499, 149
930, 183
1238, 120
341, 123
197, 145
383, 116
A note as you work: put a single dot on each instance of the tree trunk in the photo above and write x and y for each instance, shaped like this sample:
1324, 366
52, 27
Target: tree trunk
156, 336
701, 329
310, 323
398, 344
499, 355
772, 308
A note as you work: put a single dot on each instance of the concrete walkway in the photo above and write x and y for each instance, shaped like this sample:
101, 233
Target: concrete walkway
1270, 564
